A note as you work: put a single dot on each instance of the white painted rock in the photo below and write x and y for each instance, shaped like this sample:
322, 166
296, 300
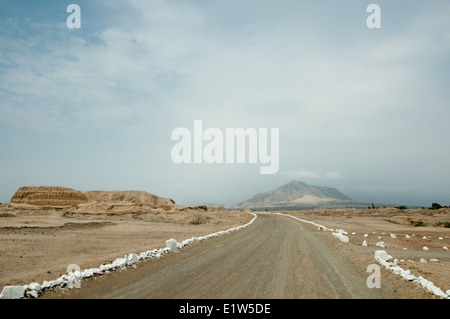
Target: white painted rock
75, 276
143, 255
407, 236
341, 231
381, 244
172, 244
393, 236
46, 284
32, 294
366, 235
409, 277
382, 255
87, 273
434, 260
120, 262
106, 267
132, 259
343, 238
34, 286
423, 260
13, 292
444, 248
425, 248
364, 243
428, 285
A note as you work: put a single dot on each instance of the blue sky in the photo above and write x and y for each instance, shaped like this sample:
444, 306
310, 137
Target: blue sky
364, 110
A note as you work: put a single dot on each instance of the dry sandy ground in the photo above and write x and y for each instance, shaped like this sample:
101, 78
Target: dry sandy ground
379, 224
275, 258
39, 244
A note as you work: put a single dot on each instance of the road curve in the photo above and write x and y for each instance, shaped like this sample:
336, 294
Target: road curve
275, 257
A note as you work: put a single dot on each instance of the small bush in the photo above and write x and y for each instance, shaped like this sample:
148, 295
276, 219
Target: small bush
442, 224
198, 219
435, 206
417, 223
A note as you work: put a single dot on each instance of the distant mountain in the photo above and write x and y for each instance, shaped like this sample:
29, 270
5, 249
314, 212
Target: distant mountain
298, 195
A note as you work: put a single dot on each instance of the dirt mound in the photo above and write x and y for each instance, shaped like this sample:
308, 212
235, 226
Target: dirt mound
48, 196
135, 197
51, 196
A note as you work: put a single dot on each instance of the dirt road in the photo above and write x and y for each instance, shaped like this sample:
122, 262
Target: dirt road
275, 257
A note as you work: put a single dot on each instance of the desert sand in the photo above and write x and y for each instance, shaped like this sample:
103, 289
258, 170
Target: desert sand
41, 239
405, 233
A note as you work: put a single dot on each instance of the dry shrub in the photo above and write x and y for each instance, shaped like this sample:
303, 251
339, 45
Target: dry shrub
165, 207
198, 219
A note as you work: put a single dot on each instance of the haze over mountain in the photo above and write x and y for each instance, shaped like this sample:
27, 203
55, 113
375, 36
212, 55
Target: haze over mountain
298, 195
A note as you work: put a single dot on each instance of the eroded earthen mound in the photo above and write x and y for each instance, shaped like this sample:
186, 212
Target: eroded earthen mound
52, 197
134, 197
48, 196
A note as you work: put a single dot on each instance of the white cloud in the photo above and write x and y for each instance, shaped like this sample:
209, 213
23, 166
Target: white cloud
333, 175
338, 94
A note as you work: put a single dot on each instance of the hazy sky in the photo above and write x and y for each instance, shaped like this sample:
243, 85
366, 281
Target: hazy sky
364, 110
